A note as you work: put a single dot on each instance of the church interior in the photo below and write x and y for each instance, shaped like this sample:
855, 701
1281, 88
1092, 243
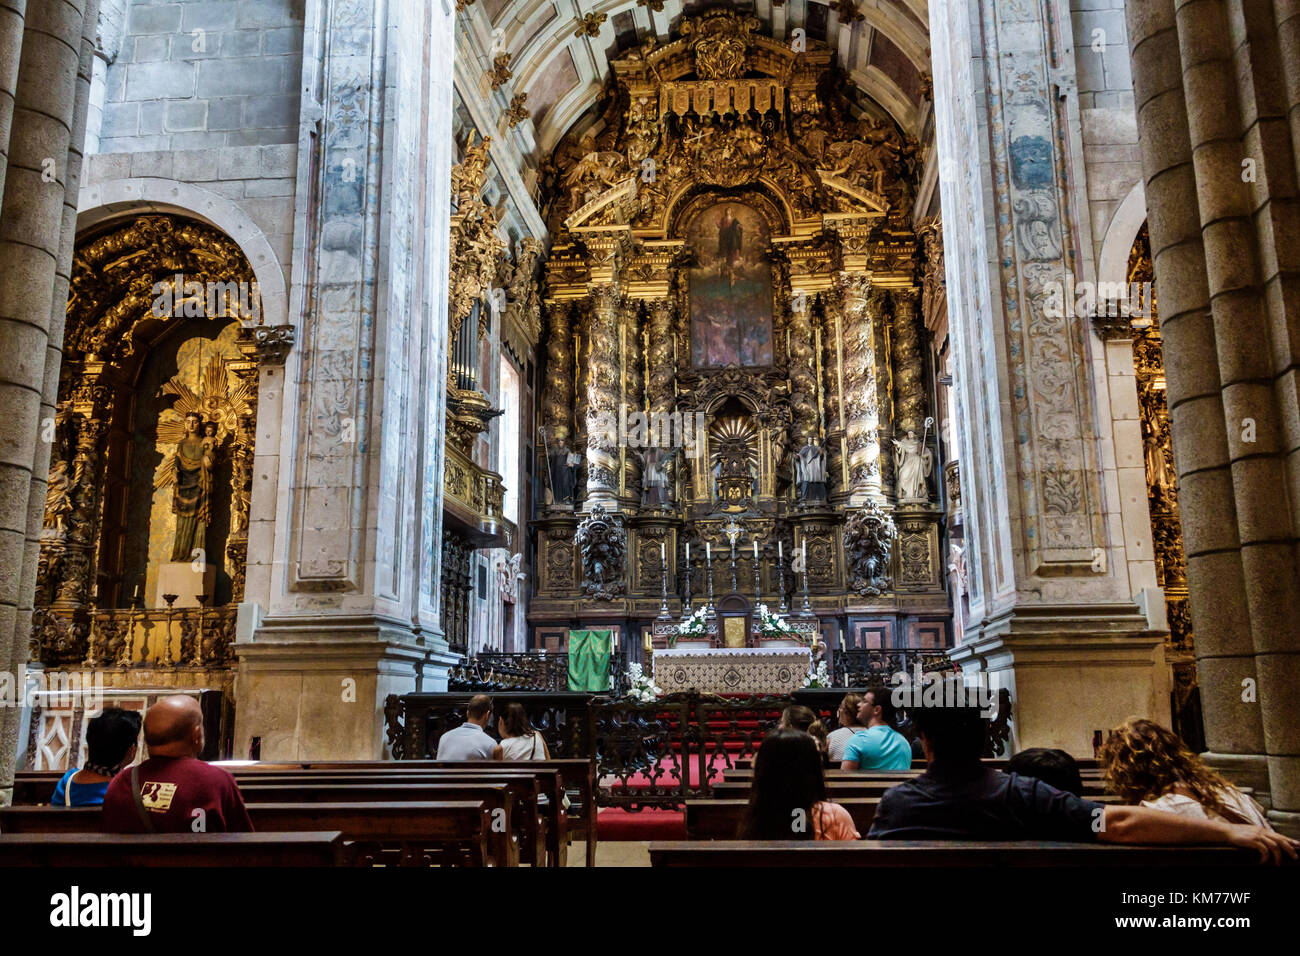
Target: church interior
658, 366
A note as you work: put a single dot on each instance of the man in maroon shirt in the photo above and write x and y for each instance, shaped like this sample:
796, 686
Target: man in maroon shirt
172, 791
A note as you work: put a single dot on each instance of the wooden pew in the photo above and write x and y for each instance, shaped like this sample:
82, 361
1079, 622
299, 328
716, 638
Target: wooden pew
451, 833
935, 854
503, 800
172, 849
577, 776
840, 790
720, 819
547, 846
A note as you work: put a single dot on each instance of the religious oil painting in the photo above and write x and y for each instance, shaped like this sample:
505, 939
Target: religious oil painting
731, 287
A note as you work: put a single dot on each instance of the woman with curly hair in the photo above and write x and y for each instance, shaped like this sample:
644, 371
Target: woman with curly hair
1148, 764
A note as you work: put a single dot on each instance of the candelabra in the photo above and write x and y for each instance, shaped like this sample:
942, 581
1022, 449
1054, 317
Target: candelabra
198, 643
91, 639
780, 574
167, 638
686, 607
708, 561
758, 589
807, 606
664, 615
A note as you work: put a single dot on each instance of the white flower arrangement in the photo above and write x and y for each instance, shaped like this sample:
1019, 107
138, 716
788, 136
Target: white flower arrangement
820, 677
641, 688
696, 625
774, 625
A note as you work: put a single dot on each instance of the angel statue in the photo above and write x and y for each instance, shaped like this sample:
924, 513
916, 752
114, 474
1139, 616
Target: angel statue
188, 472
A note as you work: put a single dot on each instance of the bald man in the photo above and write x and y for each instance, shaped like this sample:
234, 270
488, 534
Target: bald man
173, 791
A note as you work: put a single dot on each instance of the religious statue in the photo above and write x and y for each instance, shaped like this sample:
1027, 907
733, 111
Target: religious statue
602, 540
810, 472
188, 472
656, 489
563, 464
508, 577
912, 463
869, 536
58, 496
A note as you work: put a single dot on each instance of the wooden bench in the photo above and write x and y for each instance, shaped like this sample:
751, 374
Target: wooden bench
841, 790
172, 849
721, 819
548, 846
945, 854
577, 777
503, 800
452, 833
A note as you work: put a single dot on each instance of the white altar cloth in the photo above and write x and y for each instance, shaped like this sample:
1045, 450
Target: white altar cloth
731, 670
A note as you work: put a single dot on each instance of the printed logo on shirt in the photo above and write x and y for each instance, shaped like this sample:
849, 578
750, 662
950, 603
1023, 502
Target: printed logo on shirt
157, 796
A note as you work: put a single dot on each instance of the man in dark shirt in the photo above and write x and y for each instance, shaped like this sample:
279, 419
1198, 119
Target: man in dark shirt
960, 798
172, 791
1056, 768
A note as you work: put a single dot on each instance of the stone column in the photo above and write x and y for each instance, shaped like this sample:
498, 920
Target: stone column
860, 407
12, 15
1211, 88
633, 396
603, 392
354, 597
1046, 598
42, 165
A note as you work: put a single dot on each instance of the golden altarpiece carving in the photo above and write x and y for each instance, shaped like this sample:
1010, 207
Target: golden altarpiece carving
158, 392
733, 352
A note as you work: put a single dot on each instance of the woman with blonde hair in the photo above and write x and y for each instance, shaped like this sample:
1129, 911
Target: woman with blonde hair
849, 725
1146, 764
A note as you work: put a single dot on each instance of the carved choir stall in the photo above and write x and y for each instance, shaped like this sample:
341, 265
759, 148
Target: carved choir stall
734, 368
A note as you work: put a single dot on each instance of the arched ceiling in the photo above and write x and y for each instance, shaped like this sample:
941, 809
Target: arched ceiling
560, 52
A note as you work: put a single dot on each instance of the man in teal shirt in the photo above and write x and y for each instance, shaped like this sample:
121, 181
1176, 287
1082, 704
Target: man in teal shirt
879, 746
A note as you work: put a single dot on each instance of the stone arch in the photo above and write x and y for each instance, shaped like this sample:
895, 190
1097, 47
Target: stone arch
121, 198
1112, 263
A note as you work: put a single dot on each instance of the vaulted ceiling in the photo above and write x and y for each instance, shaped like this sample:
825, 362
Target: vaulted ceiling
560, 52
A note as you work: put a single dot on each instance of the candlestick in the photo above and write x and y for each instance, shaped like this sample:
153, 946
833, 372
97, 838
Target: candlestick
708, 559
780, 573
758, 591
708, 551
755, 549
663, 565
686, 608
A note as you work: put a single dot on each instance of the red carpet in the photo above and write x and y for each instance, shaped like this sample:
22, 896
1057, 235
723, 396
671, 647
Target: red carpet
615, 824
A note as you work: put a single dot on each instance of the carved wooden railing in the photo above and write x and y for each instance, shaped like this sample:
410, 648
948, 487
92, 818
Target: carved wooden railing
135, 637
548, 671
644, 751
857, 667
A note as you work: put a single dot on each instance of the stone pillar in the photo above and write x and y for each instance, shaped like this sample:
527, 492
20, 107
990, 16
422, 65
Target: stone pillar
1211, 88
860, 407
633, 396
42, 166
1051, 617
12, 15
603, 391
354, 598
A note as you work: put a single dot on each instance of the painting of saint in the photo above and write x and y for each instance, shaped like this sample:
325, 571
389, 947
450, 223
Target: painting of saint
731, 287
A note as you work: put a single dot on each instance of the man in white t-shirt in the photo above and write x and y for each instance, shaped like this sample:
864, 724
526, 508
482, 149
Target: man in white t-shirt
470, 741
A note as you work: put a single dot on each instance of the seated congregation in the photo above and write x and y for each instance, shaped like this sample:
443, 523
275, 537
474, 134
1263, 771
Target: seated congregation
504, 801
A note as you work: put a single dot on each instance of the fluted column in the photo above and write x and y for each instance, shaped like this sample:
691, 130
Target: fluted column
860, 405
603, 393
633, 384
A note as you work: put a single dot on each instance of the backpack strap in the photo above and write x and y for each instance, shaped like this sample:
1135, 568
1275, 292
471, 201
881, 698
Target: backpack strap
139, 800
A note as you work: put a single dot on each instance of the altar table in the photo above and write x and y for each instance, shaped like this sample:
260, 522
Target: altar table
731, 670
